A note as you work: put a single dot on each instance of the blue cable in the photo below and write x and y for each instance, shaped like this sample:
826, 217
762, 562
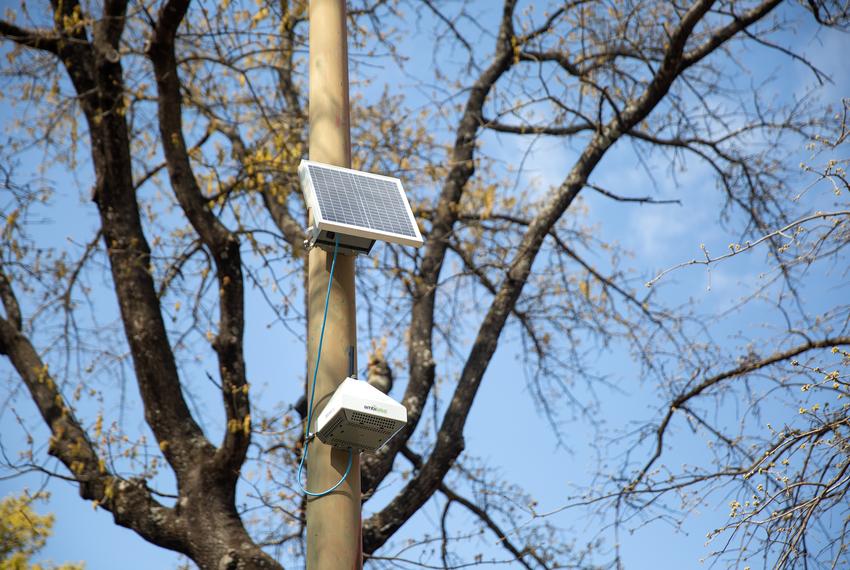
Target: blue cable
313, 395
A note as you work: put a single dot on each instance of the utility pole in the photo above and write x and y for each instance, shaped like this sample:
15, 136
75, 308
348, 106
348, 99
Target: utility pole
333, 521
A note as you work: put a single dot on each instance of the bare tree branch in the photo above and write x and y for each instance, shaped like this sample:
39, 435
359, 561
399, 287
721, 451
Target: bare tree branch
682, 399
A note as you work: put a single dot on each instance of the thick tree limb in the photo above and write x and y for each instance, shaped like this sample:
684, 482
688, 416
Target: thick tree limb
130, 502
10, 302
494, 125
727, 32
491, 287
223, 244
607, 282
449, 444
100, 84
108, 29
41, 39
420, 356
216, 537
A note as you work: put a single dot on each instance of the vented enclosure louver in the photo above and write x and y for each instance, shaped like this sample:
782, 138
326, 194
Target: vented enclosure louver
360, 417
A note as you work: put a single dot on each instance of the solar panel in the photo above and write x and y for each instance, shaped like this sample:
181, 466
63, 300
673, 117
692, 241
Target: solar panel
356, 207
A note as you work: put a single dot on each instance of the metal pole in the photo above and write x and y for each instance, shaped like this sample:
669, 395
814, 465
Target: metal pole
333, 521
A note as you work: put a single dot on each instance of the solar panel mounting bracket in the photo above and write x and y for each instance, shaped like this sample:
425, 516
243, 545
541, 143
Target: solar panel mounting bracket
348, 245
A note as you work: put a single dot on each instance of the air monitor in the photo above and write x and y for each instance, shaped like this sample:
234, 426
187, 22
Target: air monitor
360, 417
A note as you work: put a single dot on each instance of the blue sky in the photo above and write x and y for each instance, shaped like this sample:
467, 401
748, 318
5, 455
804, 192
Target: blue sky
505, 429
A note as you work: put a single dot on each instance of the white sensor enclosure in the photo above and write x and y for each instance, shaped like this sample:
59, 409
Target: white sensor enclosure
360, 417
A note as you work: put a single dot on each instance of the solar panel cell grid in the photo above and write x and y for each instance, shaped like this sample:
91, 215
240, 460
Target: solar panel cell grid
362, 201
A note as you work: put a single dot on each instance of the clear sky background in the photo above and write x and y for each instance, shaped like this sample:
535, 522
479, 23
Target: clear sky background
505, 429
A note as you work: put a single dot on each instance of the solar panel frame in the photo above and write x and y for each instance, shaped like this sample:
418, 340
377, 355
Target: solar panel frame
321, 221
